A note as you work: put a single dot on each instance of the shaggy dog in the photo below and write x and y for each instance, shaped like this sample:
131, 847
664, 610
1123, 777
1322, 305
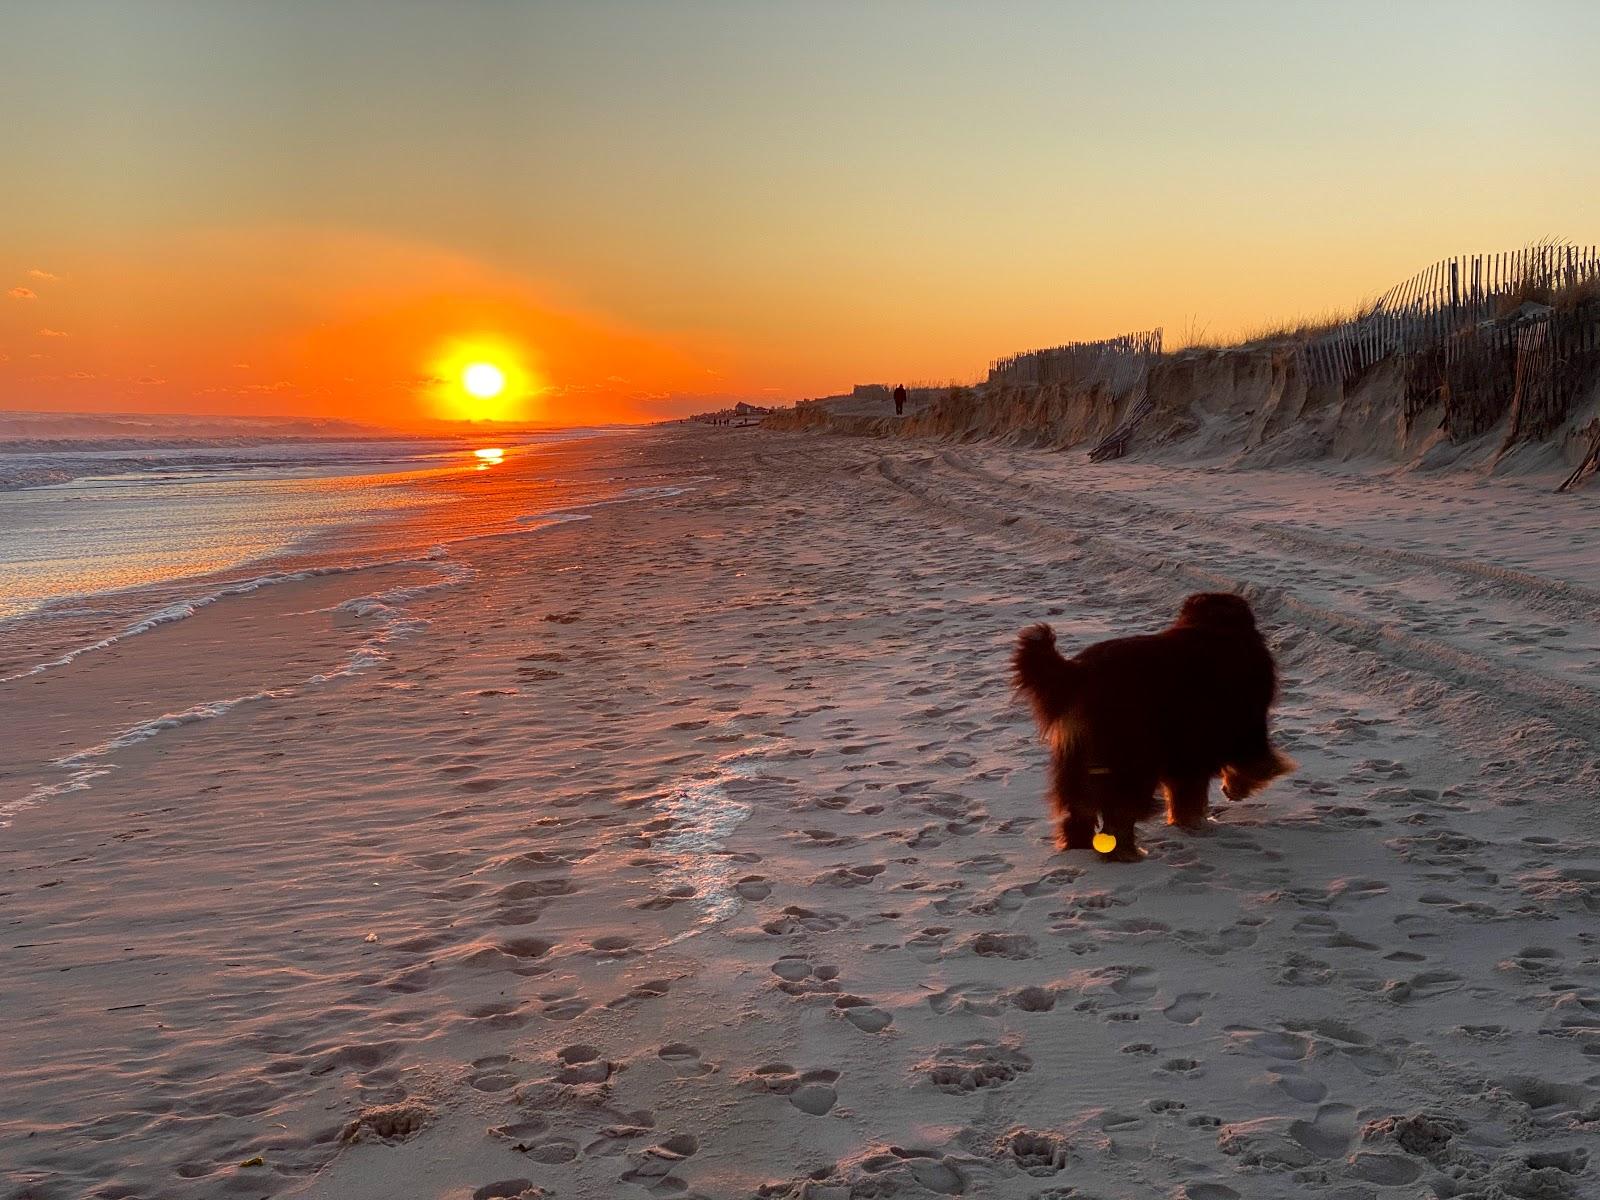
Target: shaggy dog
1170, 709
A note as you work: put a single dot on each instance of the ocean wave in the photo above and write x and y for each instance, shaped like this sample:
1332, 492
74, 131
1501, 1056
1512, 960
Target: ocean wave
32, 468
393, 623
184, 609
85, 765
42, 455
574, 511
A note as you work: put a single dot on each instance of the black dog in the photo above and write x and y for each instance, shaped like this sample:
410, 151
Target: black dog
1170, 709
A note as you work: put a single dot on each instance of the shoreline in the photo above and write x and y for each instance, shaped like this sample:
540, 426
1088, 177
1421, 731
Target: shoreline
697, 848
370, 537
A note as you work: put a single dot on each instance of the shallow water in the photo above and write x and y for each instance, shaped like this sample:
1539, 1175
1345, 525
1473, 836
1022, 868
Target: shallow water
190, 512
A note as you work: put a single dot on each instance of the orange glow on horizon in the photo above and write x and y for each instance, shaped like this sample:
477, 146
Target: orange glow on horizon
228, 322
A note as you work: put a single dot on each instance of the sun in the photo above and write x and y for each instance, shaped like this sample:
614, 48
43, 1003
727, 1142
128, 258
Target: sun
484, 377
483, 380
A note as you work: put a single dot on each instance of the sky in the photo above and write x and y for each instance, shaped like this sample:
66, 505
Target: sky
639, 210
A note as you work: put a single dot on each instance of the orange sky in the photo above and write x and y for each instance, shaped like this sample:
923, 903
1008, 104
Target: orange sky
320, 322
648, 209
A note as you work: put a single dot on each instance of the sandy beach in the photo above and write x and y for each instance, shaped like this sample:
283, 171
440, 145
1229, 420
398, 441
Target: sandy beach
696, 849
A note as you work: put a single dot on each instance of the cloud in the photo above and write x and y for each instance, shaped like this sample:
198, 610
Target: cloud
149, 381
22, 293
36, 273
52, 333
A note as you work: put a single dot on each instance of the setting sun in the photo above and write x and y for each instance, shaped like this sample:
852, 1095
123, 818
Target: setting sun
484, 380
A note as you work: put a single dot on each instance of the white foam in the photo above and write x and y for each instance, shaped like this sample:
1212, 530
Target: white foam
77, 782
706, 815
572, 512
184, 609
149, 729
393, 624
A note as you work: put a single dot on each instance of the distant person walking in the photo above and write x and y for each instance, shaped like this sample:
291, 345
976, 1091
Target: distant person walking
899, 399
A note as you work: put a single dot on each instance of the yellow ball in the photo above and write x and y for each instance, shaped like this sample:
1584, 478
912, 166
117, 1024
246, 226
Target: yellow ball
1105, 843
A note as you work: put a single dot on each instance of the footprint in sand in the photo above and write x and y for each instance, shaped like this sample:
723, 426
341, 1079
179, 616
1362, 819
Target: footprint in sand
797, 919
1298, 1087
552, 1151
849, 877
1289, 1047
522, 1131
994, 944
611, 947
510, 1189
1187, 1008
868, 1019
490, 1074
1536, 962
812, 1092
684, 1059
582, 1063
1033, 999
973, 1066
966, 997
564, 1008
925, 945
1328, 1134
648, 989
531, 1136
798, 976
1036, 1153
1134, 983
653, 1168
753, 887
1423, 986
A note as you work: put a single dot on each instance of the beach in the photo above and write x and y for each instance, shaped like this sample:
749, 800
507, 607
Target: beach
685, 839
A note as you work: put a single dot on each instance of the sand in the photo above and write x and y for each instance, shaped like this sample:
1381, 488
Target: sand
696, 850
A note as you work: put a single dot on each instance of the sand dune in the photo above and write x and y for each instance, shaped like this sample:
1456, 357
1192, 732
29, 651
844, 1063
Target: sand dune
696, 849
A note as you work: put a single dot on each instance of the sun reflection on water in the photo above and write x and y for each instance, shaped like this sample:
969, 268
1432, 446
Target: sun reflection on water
489, 456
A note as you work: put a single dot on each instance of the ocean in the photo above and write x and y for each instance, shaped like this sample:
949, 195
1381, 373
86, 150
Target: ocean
102, 535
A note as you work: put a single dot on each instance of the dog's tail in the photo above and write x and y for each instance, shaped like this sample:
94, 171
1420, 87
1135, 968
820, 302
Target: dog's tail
1040, 673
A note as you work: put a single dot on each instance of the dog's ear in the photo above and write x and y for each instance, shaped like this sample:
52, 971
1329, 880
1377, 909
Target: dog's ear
1217, 610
